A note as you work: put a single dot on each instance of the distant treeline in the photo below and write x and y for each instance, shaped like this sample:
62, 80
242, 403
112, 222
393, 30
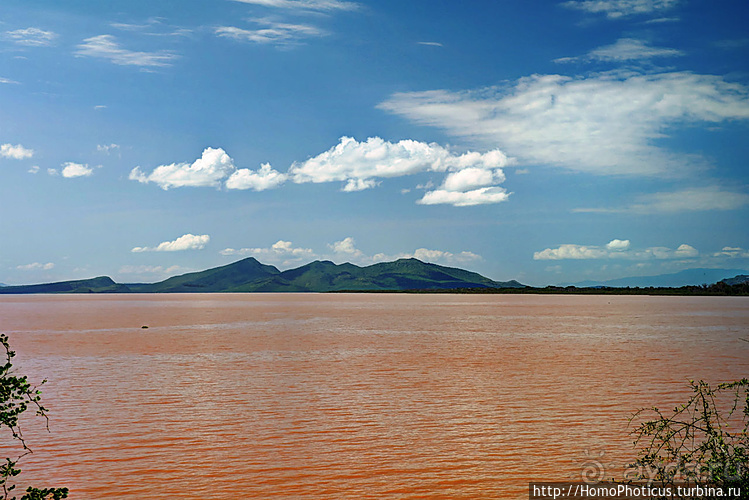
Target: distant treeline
719, 288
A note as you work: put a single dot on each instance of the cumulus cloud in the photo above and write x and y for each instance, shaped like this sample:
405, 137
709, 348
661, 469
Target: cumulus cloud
36, 266
346, 246
615, 249
31, 37
71, 170
686, 200
346, 249
320, 5
34, 169
360, 164
106, 47
602, 123
286, 254
614, 9
185, 242
617, 245
281, 252
625, 49
257, 180
17, 152
207, 171
271, 32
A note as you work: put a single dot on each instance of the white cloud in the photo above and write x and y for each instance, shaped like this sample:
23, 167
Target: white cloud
286, 254
185, 242
31, 37
272, 33
36, 266
106, 47
617, 245
148, 269
207, 171
34, 169
686, 200
471, 178
107, 148
603, 123
281, 252
732, 253
360, 164
321, 5
71, 170
481, 196
258, 180
52, 171
431, 44
346, 249
346, 246
625, 49
615, 249
614, 9
8, 81
16, 152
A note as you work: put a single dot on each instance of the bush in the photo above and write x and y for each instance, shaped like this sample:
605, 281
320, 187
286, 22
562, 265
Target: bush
16, 396
702, 442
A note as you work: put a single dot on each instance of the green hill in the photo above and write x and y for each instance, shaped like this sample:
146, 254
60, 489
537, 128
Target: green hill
249, 275
218, 279
102, 284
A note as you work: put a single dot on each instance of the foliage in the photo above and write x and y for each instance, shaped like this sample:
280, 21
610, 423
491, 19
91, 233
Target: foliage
702, 442
16, 396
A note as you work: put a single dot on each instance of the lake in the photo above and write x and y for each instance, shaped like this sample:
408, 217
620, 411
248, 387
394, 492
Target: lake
353, 395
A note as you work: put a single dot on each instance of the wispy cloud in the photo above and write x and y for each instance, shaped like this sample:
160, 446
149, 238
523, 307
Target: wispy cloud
36, 266
601, 123
625, 49
107, 148
318, 5
31, 37
8, 81
614, 9
615, 249
732, 253
106, 47
185, 242
697, 199
17, 152
431, 44
273, 33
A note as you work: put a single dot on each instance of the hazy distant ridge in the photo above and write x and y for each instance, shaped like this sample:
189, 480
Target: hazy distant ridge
687, 277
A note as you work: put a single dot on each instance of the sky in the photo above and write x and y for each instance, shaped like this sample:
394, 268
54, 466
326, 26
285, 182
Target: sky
544, 141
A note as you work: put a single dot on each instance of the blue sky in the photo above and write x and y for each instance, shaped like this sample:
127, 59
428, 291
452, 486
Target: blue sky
547, 142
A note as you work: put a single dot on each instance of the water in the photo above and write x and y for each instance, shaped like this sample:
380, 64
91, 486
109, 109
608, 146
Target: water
353, 396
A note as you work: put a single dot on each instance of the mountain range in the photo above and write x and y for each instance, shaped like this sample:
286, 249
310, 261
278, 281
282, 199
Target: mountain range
687, 277
249, 275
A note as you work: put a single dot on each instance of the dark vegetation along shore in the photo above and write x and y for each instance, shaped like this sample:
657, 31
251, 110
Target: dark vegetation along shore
402, 276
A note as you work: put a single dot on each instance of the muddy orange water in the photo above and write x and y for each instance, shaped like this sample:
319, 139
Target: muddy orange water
353, 396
